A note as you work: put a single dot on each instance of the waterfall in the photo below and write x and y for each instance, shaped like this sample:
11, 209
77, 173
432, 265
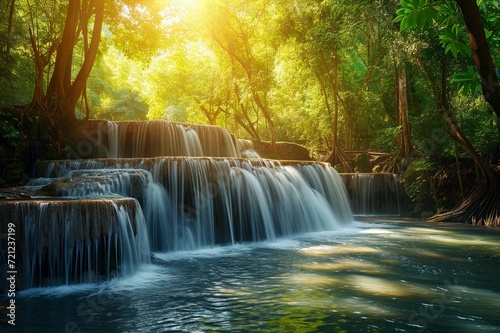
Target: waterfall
247, 149
192, 203
373, 193
164, 138
163, 187
77, 241
328, 182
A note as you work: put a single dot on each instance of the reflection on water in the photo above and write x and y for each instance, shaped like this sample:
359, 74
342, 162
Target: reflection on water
375, 277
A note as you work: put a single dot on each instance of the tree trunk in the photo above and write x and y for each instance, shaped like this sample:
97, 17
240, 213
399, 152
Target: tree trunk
90, 54
38, 93
482, 205
248, 63
349, 141
335, 87
404, 137
267, 116
248, 126
10, 24
61, 77
333, 81
481, 53
62, 94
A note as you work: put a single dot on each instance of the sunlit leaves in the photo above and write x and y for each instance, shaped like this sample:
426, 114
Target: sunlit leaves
135, 27
115, 86
445, 15
178, 78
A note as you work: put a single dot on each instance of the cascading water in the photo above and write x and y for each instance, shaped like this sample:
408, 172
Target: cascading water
327, 181
163, 138
373, 194
76, 241
185, 202
247, 149
320, 283
192, 203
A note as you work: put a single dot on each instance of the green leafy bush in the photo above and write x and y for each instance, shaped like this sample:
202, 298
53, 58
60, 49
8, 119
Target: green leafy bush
417, 181
10, 134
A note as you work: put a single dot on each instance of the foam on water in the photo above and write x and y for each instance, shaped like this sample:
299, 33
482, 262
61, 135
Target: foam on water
147, 276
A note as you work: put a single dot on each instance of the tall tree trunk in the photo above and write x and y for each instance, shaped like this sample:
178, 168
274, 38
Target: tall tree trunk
349, 141
248, 125
62, 95
267, 116
10, 24
335, 125
61, 76
38, 93
404, 137
481, 53
90, 54
333, 81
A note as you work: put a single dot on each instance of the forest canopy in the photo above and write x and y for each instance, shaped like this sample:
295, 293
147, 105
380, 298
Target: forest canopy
412, 78
251, 66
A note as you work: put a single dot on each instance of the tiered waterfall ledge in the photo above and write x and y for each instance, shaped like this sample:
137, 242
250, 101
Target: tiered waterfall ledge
61, 241
373, 194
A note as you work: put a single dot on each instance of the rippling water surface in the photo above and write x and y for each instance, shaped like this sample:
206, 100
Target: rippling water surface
370, 277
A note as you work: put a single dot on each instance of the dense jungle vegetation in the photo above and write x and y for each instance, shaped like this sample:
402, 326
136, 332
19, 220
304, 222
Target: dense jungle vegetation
415, 80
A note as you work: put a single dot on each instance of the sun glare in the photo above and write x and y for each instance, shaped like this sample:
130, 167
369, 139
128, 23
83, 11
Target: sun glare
177, 11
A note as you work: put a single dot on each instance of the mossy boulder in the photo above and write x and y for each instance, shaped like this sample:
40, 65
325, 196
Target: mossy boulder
293, 151
285, 151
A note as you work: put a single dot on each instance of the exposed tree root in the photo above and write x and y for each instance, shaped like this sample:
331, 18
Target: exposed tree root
481, 207
390, 163
338, 157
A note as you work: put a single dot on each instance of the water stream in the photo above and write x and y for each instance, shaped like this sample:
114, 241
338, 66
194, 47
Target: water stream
366, 277
184, 235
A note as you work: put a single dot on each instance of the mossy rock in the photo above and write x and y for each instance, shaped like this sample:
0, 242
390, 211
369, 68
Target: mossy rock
293, 151
284, 151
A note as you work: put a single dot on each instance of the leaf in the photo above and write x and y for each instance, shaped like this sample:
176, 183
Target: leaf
415, 13
468, 81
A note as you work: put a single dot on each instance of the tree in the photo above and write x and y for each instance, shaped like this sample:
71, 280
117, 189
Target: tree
482, 205
65, 47
481, 51
234, 28
63, 93
416, 13
347, 46
15, 61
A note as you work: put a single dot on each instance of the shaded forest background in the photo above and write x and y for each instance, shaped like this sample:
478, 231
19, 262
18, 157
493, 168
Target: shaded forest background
342, 78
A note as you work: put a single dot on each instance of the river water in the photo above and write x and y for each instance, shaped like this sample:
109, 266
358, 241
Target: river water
371, 276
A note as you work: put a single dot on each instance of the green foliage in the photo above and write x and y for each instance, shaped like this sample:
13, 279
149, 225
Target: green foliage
415, 13
124, 105
445, 16
478, 124
206, 60
10, 133
114, 87
417, 180
455, 40
469, 81
386, 140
